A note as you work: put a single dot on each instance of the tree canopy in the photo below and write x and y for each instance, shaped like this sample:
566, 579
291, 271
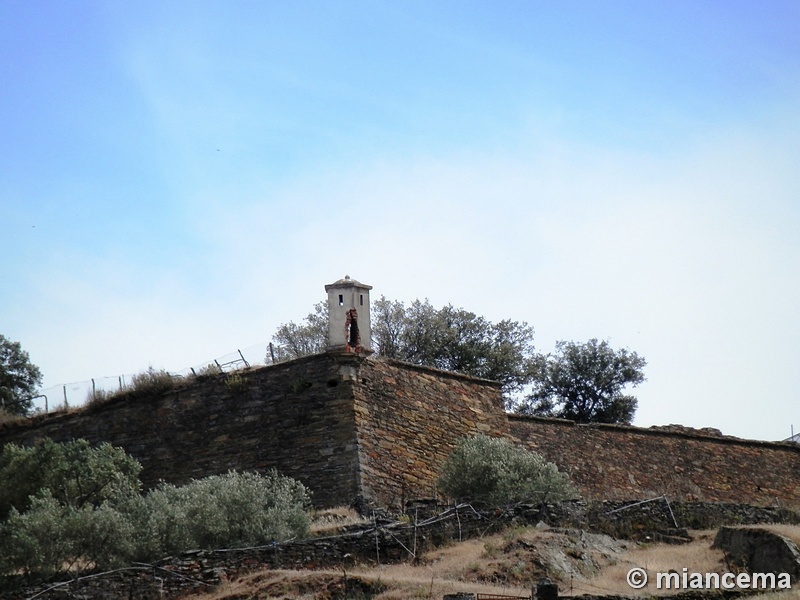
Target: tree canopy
449, 338
73, 472
580, 382
310, 337
584, 383
19, 378
454, 339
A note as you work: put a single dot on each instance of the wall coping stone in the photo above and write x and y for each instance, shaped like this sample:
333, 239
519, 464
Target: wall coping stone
79, 411
705, 437
439, 372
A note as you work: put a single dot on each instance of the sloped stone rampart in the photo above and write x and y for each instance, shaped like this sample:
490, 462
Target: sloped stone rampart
355, 429
410, 418
296, 417
615, 461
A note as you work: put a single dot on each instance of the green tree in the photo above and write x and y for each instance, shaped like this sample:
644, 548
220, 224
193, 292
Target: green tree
389, 329
51, 537
449, 338
495, 472
73, 473
584, 383
455, 339
69, 503
19, 378
223, 511
293, 340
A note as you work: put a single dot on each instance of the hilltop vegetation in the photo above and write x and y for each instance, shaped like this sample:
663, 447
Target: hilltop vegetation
584, 382
68, 505
63, 505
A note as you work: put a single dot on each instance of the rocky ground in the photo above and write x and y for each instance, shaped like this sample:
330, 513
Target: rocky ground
587, 549
506, 563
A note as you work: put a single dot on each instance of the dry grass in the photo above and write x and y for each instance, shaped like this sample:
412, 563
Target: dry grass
10, 418
383, 583
456, 568
288, 584
507, 563
330, 521
788, 531
697, 556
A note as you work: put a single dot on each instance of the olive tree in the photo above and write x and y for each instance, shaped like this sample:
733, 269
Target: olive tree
68, 504
493, 471
220, 511
73, 473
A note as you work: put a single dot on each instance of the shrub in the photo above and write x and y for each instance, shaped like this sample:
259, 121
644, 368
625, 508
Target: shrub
34, 541
10, 417
152, 381
145, 383
210, 370
70, 504
51, 537
74, 474
99, 397
232, 510
495, 472
235, 382
225, 511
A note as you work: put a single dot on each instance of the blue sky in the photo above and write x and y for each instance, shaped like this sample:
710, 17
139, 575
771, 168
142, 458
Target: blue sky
178, 178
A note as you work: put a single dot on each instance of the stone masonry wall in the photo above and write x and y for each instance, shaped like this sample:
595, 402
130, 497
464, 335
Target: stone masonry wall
295, 416
619, 462
409, 419
378, 430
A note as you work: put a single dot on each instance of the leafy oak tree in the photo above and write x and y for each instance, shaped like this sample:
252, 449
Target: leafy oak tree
454, 339
584, 383
310, 337
19, 378
449, 338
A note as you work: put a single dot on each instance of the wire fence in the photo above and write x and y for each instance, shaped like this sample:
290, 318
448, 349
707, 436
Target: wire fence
77, 393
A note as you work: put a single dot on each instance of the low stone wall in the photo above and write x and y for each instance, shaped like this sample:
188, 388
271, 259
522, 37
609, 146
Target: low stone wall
667, 521
386, 542
615, 461
383, 543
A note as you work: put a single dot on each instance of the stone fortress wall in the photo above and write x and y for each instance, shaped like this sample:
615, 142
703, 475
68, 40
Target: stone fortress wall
356, 430
610, 462
286, 416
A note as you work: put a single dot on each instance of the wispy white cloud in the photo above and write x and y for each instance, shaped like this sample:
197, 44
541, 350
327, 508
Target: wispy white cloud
511, 174
688, 260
